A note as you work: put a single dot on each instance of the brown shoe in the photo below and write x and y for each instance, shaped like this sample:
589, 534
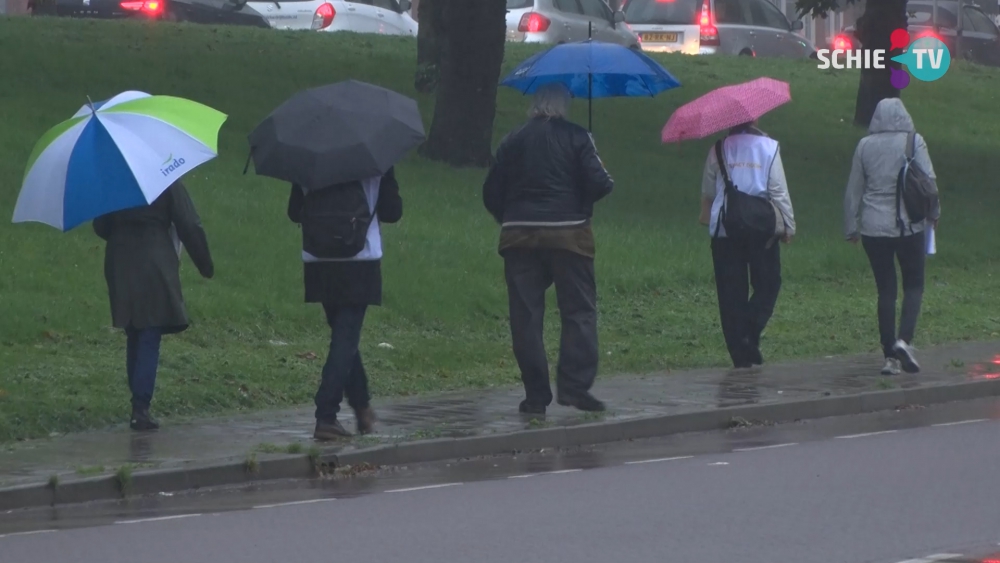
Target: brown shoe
366, 420
329, 431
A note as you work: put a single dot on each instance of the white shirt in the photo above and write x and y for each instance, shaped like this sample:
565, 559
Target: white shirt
754, 166
373, 240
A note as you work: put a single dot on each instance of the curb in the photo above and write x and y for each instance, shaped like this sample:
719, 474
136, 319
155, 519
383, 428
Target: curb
274, 467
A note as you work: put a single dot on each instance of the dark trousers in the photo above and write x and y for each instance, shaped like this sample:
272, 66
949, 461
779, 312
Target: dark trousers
882, 255
343, 372
529, 273
142, 357
742, 264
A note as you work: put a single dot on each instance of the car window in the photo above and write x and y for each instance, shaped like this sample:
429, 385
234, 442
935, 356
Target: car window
390, 5
982, 22
731, 12
520, 4
764, 14
568, 6
596, 9
678, 12
923, 15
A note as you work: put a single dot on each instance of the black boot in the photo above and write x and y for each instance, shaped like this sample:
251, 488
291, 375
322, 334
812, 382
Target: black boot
142, 421
582, 401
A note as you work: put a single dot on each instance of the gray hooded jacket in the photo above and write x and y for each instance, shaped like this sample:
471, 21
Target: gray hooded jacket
870, 200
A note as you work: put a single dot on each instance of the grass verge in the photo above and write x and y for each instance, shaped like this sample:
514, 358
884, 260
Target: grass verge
255, 345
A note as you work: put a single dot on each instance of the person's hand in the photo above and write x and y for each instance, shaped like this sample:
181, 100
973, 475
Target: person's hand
787, 239
853, 239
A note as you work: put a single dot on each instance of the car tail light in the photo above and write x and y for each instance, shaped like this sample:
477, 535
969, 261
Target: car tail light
324, 16
533, 23
149, 7
709, 34
842, 43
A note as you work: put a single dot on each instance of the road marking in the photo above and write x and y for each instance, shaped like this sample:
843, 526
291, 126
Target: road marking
31, 533
771, 447
295, 503
658, 460
933, 558
159, 519
865, 434
961, 422
560, 472
424, 488
720, 463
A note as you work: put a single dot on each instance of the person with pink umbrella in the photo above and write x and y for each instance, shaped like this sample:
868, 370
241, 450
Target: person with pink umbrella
745, 204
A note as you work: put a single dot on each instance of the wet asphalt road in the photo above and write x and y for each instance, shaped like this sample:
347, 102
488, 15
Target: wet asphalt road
880, 488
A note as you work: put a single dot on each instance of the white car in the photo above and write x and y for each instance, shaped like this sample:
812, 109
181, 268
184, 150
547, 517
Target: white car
565, 21
386, 17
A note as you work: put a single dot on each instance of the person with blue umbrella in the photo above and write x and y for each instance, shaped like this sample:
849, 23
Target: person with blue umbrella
592, 69
542, 190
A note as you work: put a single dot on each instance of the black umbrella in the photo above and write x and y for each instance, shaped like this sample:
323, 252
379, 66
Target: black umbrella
336, 133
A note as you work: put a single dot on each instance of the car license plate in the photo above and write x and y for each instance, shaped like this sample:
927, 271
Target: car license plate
659, 37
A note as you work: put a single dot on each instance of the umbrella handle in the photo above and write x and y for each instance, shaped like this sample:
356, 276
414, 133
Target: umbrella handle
247, 165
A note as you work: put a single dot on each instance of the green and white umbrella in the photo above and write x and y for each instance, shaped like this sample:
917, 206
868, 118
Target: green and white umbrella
115, 155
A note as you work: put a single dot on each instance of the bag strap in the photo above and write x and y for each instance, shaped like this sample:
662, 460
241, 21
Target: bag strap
911, 145
725, 181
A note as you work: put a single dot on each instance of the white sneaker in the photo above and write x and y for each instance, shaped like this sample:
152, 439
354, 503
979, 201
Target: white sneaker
891, 367
906, 356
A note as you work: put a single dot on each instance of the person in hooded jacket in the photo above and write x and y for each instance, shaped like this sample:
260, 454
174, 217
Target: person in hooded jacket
142, 269
874, 215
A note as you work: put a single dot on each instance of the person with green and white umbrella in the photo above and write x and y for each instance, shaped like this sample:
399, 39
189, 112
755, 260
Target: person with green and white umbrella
119, 164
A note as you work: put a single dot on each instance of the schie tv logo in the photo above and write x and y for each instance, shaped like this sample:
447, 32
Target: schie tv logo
927, 58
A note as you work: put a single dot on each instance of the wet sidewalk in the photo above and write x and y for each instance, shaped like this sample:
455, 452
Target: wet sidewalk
472, 413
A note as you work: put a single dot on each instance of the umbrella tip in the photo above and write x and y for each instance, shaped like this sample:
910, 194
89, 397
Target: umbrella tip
91, 104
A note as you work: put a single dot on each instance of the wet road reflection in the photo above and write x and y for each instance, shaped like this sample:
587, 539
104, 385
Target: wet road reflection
367, 482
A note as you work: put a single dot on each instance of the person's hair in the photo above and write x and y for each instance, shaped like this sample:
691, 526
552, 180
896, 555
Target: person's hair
551, 101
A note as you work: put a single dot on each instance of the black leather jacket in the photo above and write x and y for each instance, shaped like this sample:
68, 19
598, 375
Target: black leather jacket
547, 173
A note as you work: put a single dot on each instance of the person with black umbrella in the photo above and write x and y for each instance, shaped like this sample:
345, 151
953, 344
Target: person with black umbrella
337, 145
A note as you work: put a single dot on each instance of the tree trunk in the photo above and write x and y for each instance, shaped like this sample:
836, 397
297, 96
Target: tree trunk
874, 29
472, 48
428, 45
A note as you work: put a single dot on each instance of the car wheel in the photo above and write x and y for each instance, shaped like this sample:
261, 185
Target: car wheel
746, 53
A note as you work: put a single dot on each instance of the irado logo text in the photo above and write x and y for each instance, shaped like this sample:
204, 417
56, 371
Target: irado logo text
926, 58
170, 164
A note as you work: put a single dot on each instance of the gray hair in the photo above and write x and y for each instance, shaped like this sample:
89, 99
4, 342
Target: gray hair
551, 100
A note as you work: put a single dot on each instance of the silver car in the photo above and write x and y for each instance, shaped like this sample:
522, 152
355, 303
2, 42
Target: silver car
564, 21
386, 17
705, 27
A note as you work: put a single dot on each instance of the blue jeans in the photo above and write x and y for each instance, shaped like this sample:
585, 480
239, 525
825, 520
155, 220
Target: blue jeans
142, 357
343, 372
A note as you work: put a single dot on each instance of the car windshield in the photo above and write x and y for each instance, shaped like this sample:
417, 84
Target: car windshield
923, 15
672, 12
520, 4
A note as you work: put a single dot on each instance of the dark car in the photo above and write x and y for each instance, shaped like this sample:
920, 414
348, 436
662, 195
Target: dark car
980, 37
198, 11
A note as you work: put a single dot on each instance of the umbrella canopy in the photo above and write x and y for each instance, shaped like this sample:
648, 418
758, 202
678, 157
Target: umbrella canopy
336, 133
724, 108
593, 69
113, 155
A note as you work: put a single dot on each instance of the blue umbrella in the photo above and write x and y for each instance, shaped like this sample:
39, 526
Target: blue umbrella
593, 69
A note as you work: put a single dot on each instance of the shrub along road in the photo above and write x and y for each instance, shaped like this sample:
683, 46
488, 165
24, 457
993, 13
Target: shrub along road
254, 343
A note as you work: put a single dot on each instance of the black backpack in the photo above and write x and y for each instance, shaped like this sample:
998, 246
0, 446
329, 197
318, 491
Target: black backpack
915, 189
743, 214
335, 221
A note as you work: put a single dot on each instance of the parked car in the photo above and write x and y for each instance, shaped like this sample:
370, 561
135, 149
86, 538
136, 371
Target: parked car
564, 21
386, 17
980, 35
389, 17
707, 27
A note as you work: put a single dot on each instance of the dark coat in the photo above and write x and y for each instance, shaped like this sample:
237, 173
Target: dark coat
349, 282
546, 172
141, 264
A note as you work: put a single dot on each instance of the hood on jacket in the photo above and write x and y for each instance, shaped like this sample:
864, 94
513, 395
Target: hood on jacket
891, 117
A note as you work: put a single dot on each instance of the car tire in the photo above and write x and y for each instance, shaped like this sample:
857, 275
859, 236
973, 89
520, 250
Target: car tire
747, 53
